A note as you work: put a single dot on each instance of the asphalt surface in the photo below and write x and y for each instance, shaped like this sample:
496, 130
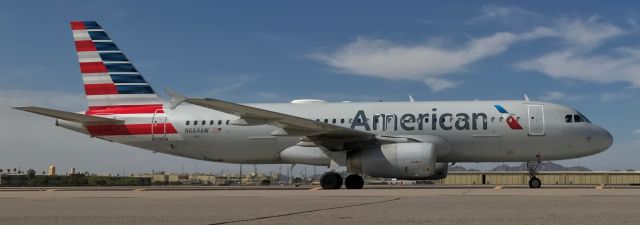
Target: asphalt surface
586, 205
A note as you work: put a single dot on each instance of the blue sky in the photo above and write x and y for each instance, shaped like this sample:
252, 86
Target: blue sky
584, 54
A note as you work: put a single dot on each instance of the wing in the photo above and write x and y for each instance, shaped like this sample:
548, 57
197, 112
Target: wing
328, 135
69, 116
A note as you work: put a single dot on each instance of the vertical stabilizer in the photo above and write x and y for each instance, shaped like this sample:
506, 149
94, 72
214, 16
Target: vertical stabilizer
112, 84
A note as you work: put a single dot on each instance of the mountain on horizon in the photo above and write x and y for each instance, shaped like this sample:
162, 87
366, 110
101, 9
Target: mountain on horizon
544, 166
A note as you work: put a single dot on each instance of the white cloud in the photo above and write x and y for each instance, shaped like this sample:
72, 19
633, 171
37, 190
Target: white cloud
572, 64
430, 62
583, 33
424, 62
636, 131
560, 96
613, 96
494, 11
225, 84
437, 84
577, 61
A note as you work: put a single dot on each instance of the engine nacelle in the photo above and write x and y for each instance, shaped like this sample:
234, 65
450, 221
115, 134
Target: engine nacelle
442, 168
414, 161
310, 155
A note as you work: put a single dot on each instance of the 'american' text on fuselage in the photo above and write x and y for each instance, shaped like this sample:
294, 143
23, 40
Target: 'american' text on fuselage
445, 121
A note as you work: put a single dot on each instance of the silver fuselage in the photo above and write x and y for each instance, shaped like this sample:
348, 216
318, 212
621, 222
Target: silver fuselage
472, 131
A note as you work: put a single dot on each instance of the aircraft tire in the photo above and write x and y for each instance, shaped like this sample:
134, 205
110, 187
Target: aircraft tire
354, 181
331, 180
534, 182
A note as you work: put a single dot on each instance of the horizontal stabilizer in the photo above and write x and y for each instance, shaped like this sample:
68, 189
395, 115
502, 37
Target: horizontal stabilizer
70, 116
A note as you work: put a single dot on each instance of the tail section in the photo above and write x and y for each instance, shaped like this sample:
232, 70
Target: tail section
112, 84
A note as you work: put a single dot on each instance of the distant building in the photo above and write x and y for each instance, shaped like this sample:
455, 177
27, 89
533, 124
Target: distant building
52, 170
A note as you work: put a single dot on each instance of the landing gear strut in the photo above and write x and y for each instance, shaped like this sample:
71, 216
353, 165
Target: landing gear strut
331, 180
534, 182
354, 181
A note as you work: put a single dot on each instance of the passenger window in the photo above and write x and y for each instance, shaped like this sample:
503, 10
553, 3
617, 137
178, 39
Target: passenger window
350, 120
342, 120
188, 122
326, 121
426, 119
334, 121
493, 119
227, 122
211, 122
219, 122
195, 122
501, 119
318, 120
568, 118
578, 119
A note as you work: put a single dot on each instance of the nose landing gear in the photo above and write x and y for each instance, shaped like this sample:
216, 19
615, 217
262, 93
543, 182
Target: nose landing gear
532, 166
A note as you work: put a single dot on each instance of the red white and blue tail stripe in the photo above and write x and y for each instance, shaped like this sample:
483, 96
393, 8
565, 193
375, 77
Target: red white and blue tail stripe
115, 87
112, 84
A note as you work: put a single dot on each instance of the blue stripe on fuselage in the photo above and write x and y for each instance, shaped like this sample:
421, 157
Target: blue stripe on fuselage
501, 109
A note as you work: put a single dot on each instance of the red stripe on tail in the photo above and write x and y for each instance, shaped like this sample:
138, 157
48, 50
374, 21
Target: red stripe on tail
100, 89
77, 25
85, 46
93, 67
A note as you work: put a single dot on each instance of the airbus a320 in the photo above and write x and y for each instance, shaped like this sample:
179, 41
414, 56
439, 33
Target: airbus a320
404, 140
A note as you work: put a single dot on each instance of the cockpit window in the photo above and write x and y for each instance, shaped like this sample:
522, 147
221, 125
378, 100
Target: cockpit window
584, 118
568, 118
578, 119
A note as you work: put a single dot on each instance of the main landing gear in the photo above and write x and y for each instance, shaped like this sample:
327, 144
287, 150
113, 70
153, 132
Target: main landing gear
534, 182
333, 180
354, 181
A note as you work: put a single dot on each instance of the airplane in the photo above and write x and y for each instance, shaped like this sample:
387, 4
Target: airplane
404, 140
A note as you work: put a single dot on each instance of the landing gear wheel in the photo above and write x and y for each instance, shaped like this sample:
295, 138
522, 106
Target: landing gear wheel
534, 182
331, 180
354, 181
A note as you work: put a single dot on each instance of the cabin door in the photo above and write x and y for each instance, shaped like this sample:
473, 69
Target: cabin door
159, 126
536, 119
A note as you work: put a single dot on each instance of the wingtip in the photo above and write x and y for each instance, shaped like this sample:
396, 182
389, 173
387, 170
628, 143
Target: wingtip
21, 108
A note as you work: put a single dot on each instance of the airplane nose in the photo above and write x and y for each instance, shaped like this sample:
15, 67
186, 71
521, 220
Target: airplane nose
605, 140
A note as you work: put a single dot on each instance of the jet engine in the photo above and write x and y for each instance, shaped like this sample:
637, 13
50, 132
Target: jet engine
442, 168
414, 161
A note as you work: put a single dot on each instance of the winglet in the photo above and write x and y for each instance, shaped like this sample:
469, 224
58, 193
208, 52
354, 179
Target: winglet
526, 98
411, 99
176, 99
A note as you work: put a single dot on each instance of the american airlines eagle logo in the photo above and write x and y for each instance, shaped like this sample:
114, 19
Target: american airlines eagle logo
510, 118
